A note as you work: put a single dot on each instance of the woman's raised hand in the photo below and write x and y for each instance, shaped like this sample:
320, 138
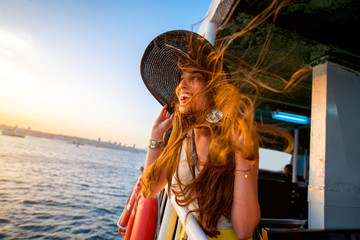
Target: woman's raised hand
238, 135
162, 123
239, 139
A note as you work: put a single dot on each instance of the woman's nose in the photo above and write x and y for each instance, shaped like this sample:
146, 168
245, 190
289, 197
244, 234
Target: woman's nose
184, 83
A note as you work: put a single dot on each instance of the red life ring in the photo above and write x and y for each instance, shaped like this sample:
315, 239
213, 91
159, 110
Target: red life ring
125, 216
139, 218
146, 217
130, 224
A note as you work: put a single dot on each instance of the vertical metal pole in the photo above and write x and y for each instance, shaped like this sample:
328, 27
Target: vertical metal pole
168, 222
295, 153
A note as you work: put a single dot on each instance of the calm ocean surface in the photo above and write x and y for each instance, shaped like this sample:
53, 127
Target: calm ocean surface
50, 189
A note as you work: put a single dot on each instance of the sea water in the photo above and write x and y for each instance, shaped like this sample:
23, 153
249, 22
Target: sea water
50, 189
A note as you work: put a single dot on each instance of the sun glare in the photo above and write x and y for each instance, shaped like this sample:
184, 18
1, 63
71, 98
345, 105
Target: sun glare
22, 86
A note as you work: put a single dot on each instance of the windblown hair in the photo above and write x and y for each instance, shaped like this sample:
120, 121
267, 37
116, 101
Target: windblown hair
235, 95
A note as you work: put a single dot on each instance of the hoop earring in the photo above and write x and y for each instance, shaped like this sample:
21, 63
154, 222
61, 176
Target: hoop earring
214, 115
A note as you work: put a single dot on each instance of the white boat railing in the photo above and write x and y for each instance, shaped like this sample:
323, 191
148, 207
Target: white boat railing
171, 212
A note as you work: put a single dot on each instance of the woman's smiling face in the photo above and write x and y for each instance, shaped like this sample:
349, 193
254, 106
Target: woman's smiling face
190, 91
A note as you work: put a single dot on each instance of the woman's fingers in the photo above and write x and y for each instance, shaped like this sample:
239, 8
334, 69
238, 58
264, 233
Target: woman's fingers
167, 114
172, 116
162, 123
165, 117
163, 111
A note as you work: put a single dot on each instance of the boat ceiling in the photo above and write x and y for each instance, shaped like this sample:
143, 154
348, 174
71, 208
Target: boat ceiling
305, 33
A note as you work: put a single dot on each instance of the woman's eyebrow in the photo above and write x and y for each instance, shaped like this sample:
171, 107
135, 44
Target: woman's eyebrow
192, 72
195, 72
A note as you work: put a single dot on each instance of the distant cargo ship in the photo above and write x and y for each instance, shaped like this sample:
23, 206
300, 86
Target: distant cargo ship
12, 132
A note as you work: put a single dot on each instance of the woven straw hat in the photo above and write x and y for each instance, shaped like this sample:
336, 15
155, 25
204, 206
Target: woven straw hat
162, 60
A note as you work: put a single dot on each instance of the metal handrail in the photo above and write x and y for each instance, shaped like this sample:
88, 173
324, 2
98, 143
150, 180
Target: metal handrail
192, 228
172, 211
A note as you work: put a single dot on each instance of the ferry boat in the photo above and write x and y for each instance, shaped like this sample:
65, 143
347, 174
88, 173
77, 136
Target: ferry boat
322, 113
12, 132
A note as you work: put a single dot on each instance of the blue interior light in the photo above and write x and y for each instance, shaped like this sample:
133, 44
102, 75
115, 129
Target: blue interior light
289, 117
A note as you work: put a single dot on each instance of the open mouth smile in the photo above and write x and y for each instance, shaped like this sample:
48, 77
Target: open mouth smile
183, 98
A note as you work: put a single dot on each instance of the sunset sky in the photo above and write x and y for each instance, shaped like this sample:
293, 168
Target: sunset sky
72, 66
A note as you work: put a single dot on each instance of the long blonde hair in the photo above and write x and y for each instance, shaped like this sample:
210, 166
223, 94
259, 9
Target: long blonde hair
238, 107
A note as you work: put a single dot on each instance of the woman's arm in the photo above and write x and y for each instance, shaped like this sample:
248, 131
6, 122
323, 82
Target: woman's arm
245, 211
161, 125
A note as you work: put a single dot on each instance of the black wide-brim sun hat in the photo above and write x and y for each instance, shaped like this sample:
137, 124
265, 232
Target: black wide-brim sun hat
165, 55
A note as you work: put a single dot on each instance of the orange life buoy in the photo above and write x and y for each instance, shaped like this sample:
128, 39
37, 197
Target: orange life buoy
127, 235
128, 210
145, 221
139, 218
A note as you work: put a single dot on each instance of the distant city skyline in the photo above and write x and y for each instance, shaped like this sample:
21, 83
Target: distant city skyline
71, 135
23, 132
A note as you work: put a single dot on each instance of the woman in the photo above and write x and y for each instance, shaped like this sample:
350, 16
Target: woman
211, 160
